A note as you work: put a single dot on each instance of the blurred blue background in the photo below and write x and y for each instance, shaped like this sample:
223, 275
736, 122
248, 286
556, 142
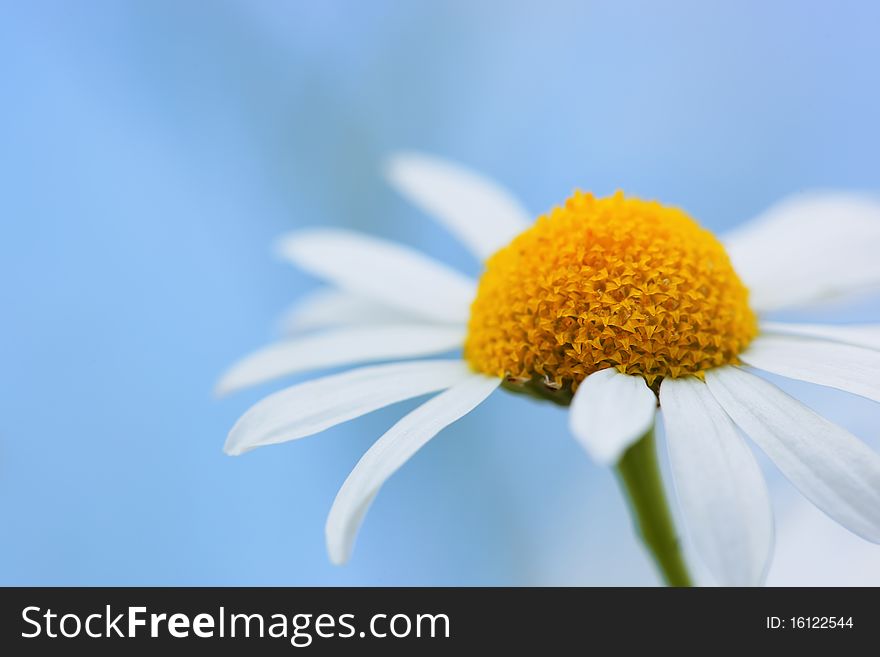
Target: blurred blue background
150, 153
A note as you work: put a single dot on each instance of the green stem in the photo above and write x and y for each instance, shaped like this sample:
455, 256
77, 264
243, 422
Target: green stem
640, 478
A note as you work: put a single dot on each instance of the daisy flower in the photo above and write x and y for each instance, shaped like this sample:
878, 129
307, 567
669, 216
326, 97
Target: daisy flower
614, 308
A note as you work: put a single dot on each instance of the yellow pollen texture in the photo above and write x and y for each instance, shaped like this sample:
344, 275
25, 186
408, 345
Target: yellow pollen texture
609, 282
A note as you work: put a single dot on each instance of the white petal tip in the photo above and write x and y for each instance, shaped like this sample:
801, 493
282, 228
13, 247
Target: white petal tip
599, 456
338, 559
340, 542
392, 166
234, 446
396, 163
611, 458
282, 245
229, 383
238, 442
296, 247
231, 450
407, 170
288, 249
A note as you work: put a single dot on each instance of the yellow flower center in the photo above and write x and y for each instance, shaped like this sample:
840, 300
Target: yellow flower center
608, 282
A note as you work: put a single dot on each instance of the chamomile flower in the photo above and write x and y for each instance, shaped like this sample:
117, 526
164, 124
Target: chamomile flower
612, 307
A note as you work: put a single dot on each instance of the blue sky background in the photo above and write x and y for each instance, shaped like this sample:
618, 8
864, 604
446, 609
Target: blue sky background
150, 153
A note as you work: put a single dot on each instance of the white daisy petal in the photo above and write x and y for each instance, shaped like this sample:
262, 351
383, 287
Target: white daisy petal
343, 346
313, 406
832, 468
391, 451
720, 487
478, 212
841, 366
808, 249
329, 307
860, 335
609, 412
377, 269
